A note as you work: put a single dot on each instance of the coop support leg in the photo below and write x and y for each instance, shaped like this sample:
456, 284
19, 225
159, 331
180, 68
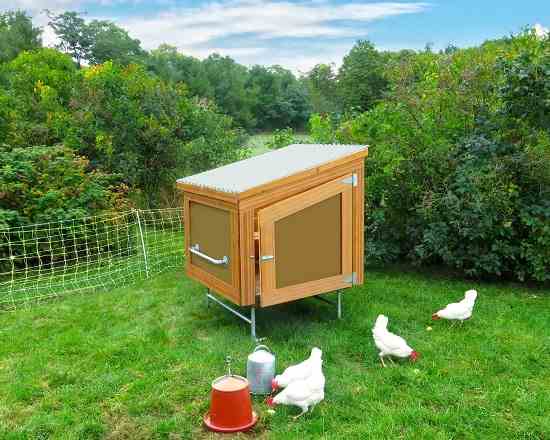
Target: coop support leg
253, 322
207, 302
338, 302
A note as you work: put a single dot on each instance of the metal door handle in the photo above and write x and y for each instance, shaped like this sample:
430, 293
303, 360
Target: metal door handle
195, 249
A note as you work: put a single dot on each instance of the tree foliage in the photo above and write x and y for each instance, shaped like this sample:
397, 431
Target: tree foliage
458, 169
17, 34
361, 79
95, 42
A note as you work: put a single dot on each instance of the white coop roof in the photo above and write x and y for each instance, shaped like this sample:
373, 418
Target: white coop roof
249, 173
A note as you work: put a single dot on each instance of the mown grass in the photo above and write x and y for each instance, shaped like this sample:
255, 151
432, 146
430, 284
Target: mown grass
137, 363
258, 142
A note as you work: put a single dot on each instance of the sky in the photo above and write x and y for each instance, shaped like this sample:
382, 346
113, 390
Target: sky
297, 34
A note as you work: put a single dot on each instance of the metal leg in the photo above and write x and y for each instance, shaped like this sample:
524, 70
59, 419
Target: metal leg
339, 305
207, 302
253, 322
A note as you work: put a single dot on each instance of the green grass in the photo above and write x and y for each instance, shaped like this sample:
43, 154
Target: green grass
258, 142
137, 363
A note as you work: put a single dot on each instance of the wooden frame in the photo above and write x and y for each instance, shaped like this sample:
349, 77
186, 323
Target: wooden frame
267, 218
245, 209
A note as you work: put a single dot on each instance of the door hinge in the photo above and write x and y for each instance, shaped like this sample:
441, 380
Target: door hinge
351, 278
351, 180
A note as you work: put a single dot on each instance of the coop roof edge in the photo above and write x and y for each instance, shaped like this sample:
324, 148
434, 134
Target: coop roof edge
245, 175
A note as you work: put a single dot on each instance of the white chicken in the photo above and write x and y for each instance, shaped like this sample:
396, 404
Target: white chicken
459, 311
390, 344
299, 371
303, 393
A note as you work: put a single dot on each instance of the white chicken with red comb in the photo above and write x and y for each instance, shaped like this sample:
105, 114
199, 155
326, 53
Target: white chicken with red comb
303, 393
389, 344
299, 371
459, 311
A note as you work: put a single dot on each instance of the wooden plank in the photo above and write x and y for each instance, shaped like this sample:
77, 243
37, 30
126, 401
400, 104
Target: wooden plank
216, 203
248, 262
228, 291
347, 231
285, 181
359, 225
207, 192
262, 200
301, 201
305, 290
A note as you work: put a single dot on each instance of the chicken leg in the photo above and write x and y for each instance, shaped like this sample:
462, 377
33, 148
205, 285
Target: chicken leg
301, 414
382, 360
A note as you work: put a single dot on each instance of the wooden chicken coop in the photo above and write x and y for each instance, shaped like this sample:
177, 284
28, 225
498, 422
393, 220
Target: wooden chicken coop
277, 227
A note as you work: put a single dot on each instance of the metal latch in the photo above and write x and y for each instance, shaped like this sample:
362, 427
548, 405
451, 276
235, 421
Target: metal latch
351, 180
266, 257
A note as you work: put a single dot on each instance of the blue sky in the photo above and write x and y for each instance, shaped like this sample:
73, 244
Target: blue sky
297, 34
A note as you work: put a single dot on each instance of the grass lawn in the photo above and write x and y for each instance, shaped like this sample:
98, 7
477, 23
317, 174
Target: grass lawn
137, 363
258, 142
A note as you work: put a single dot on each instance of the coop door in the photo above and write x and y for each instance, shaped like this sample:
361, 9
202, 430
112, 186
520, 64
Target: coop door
306, 243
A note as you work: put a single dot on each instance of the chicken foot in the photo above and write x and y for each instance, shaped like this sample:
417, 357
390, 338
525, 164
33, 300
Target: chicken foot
382, 360
301, 414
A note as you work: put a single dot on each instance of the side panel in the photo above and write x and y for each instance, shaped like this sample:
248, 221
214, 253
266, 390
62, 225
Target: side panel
213, 226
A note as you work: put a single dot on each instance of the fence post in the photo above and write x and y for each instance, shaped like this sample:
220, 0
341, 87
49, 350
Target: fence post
142, 244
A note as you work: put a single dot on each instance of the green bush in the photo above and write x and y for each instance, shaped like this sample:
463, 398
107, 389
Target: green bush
281, 138
321, 128
123, 119
459, 163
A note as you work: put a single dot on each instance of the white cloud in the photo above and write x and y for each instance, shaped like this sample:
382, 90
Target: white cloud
198, 31
266, 18
540, 30
251, 31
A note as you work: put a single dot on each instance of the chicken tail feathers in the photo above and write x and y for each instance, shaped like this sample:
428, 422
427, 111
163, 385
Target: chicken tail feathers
381, 322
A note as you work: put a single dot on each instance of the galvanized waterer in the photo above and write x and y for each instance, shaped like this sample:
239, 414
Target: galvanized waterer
260, 370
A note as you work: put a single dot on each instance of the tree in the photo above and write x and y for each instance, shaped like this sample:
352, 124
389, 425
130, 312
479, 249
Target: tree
17, 34
170, 65
112, 43
361, 80
280, 100
227, 86
95, 42
322, 88
36, 97
75, 36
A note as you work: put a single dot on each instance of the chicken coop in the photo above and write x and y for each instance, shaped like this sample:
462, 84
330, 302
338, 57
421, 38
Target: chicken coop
277, 227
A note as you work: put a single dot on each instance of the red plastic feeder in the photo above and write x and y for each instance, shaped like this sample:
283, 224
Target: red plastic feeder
230, 405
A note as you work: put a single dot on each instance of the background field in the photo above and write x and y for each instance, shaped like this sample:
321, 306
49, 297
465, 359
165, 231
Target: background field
137, 363
258, 142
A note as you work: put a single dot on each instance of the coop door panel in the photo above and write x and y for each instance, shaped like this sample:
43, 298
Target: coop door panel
211, 230
309, 237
